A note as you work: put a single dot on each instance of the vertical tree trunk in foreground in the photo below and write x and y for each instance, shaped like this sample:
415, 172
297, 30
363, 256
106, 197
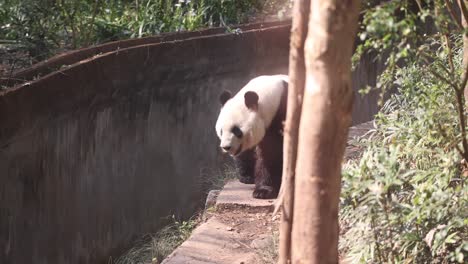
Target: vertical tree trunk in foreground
325, 118
291, 128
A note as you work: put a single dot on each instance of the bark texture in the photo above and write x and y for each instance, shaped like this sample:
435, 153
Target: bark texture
325, 119
291, 128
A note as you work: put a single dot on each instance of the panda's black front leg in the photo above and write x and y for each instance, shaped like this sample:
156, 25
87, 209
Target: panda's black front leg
245, 164
264, 185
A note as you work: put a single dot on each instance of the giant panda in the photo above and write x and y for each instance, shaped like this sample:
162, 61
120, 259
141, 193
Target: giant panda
250, 128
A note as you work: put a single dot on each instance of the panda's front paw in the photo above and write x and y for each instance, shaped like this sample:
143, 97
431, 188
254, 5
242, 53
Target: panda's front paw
247, 180
264, 192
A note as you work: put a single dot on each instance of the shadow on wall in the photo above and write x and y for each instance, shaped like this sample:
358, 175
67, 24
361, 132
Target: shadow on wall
366, 72
92, 156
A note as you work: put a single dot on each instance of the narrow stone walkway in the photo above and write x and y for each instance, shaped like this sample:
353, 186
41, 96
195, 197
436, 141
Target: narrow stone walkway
242, 230
239, 229
361, 130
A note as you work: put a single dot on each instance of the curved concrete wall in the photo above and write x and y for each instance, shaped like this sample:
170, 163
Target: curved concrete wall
93, 155
71, 57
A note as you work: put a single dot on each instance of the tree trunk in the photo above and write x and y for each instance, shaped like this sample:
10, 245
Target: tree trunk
291, 128
325, 119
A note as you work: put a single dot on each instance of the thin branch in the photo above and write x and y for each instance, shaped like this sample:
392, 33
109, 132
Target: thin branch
460, 106
453, 15
440, 65
91, 24
442, 132
426, 58
377, 246
279, 203
450, 55
419, 5
459, 150
438, 75
442, 78
461, 117
461, 114
72, 24
464, 10
465, 76
12, 69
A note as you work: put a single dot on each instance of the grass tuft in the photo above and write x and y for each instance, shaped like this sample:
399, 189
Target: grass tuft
154, 248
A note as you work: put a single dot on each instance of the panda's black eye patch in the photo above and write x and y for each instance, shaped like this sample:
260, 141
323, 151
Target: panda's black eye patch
236, 131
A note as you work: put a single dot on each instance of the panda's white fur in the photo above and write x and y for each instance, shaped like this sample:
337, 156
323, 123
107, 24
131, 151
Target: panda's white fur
252, 122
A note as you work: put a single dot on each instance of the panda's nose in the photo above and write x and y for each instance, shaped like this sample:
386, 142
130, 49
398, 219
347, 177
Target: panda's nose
227, 148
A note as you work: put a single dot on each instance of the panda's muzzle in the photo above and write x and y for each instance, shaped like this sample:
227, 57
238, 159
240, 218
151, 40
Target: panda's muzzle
239, 149
226, 148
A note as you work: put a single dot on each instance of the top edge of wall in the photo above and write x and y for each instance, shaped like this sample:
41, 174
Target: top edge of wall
71, 57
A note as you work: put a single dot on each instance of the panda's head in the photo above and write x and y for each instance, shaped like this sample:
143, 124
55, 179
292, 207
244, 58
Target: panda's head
239, 125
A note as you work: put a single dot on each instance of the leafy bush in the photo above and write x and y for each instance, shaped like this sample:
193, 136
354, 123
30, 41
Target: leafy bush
405, 200
45, 26
25, 23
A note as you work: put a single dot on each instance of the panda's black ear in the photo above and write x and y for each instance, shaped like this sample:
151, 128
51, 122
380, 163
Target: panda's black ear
251, 100
224, 97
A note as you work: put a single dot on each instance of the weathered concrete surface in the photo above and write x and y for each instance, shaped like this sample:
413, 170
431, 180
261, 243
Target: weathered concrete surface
92, 156
234, 234
239, 195
213, 242
238, 232
365, 74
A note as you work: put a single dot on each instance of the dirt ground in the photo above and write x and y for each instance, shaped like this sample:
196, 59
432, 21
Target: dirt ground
256, 233
241, 229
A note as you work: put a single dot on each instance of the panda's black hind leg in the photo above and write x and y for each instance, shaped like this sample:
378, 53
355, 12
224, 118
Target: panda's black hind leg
245, 164
269, 165
266, 182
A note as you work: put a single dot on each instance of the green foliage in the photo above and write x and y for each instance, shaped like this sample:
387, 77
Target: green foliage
45, 26
406, 200
154, 248
24, 22
388, 28
394, 30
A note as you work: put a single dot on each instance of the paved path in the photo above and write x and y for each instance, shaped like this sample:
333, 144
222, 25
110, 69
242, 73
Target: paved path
241, 229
